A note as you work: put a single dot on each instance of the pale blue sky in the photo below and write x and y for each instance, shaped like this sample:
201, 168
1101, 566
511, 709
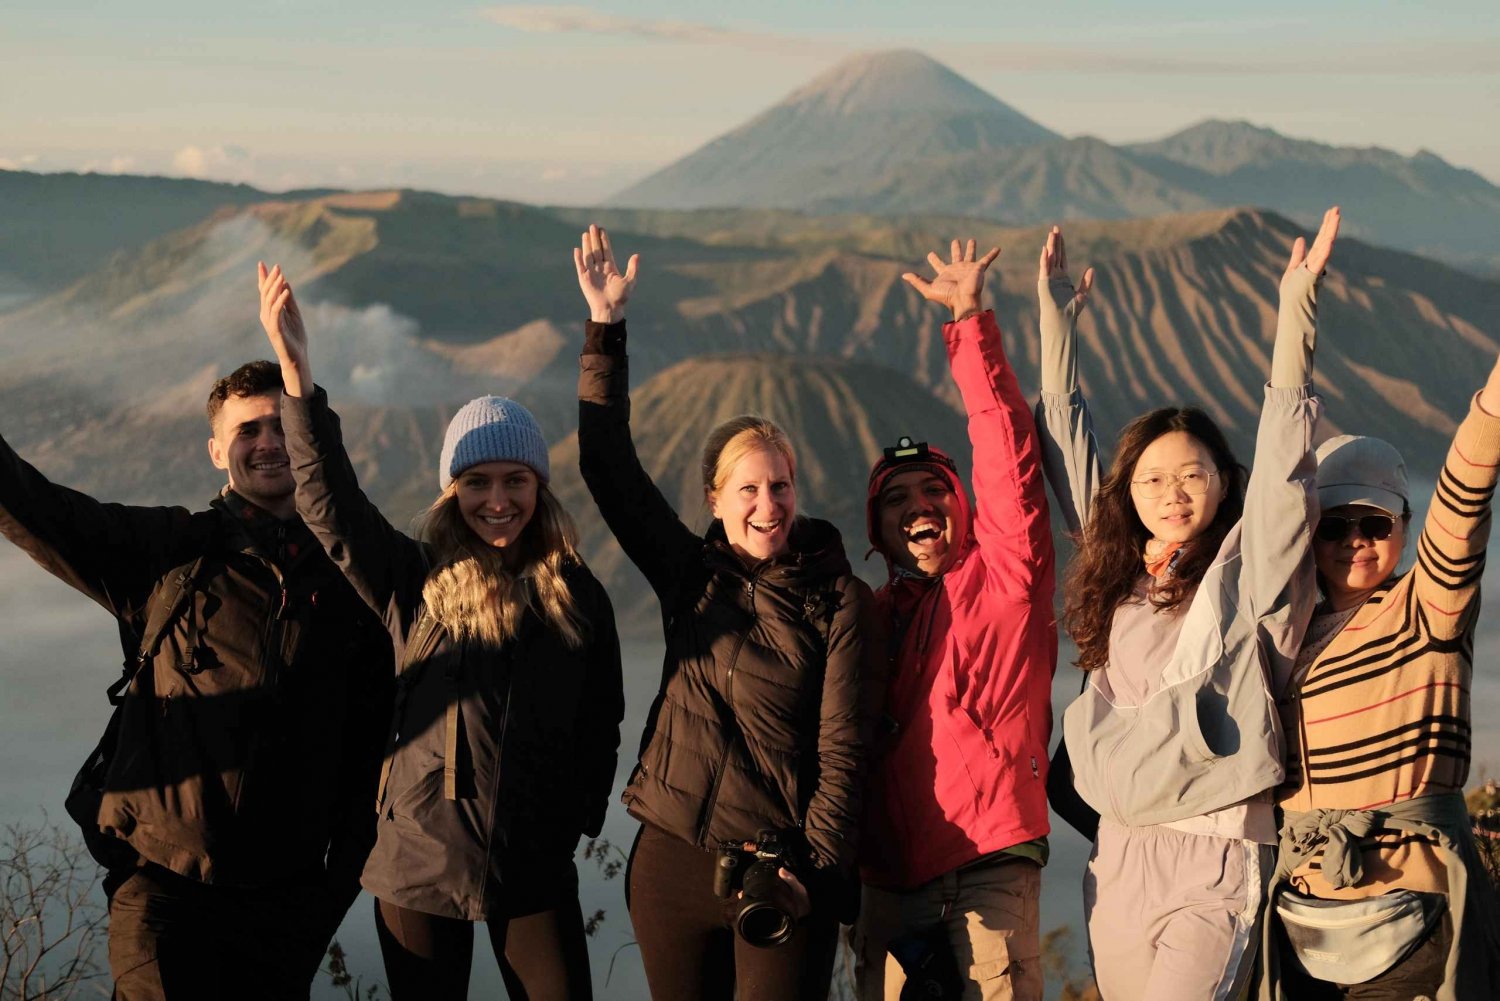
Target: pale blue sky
568, 102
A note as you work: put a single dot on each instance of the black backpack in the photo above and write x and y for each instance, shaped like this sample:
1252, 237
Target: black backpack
87, 793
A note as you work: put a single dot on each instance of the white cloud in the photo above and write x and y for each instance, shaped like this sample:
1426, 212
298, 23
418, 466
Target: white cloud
221, 163
25, 162
586, 20
114, 165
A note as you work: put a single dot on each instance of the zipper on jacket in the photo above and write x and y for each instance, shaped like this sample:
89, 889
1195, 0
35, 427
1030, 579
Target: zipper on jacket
713, 793
272, 641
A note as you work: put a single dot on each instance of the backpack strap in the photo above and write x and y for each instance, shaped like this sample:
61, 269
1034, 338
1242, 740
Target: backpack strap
419, 644
169, 600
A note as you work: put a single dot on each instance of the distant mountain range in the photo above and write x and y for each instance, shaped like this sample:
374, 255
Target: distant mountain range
55, 228
418, 302
897, 132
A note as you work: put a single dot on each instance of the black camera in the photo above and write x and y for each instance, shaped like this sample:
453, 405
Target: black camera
765, 915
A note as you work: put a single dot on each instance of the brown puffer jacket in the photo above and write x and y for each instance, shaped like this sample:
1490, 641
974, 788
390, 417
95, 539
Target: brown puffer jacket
760, 721
249, 748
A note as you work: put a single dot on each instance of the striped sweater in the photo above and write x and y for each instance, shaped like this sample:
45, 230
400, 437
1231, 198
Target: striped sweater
1382, 713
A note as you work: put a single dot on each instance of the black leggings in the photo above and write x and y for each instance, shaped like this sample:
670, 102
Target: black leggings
543, 956
690, 951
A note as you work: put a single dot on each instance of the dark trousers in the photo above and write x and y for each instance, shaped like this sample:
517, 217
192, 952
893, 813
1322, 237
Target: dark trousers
1417, 976
689, 948
542, 956
175, 939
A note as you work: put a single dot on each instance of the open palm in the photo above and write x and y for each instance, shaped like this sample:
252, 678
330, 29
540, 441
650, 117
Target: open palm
604, 288
958, 283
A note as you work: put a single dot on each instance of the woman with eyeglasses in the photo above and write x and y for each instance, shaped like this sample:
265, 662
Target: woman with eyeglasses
1187, 583
1379, 892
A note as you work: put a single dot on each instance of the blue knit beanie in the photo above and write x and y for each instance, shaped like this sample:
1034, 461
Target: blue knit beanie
492, 429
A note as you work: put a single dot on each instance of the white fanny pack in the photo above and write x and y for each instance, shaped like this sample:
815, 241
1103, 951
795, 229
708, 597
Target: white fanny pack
1354, 941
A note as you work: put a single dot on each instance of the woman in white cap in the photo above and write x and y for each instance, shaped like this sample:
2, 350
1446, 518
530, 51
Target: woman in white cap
509, 698
1379, 892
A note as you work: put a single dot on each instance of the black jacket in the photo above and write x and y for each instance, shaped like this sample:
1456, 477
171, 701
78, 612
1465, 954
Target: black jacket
760, 720
537, 724
249, 747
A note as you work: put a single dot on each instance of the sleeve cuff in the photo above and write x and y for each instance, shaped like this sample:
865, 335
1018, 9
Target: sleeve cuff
604, 338
303, 411
977, 326
1062, 401
1289, 395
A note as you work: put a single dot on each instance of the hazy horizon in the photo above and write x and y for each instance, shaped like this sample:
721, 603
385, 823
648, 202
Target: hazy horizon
566, 104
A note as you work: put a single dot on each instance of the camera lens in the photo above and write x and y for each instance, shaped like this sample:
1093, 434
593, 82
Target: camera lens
764, 925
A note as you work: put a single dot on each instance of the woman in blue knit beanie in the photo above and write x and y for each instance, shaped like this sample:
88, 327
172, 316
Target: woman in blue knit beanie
509, 696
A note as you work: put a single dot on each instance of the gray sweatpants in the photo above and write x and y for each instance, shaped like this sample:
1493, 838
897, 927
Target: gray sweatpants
1173, 916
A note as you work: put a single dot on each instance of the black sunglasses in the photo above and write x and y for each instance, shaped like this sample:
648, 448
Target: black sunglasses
1335, 528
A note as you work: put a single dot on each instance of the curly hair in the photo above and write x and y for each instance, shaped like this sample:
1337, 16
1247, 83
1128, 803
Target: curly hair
255, 378
1104, 571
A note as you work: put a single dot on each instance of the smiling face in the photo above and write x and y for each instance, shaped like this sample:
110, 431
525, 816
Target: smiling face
497, 500
1354, 566
757, 501
249, 445
1174, 464
919, 522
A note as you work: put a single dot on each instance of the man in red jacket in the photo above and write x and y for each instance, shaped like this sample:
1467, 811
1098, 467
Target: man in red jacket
956, 832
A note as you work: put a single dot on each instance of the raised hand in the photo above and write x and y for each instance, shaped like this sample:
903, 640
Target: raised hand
958, 284
1059, 306
1052, 268
282, 322
1316, 259
604, 288
1297, 313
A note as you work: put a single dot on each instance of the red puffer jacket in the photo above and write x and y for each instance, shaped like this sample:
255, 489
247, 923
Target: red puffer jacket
972, 652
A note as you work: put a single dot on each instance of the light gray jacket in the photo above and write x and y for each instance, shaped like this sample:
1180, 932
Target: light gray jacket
1207, 736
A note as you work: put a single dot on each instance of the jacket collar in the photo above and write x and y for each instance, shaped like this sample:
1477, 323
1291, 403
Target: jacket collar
253, 529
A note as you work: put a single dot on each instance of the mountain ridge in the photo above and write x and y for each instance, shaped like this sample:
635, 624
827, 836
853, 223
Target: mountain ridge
104, 382
1013, 170
856, 120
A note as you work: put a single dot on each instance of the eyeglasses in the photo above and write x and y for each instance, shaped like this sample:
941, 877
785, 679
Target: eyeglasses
1335, 528
1193, 480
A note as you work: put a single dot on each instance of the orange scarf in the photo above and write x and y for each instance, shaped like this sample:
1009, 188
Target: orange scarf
1160, 565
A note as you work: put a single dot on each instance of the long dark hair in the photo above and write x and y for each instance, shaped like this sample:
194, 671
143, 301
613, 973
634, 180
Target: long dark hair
1104, 571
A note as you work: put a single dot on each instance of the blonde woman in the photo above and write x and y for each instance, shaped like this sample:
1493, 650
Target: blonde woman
509, 696
758, 724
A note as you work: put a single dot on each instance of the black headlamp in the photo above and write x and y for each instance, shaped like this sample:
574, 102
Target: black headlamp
906, 450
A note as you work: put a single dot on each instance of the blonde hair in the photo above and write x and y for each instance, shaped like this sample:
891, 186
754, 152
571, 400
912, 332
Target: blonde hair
736, 438
475, 597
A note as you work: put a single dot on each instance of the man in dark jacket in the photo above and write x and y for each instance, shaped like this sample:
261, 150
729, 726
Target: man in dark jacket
236, 808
